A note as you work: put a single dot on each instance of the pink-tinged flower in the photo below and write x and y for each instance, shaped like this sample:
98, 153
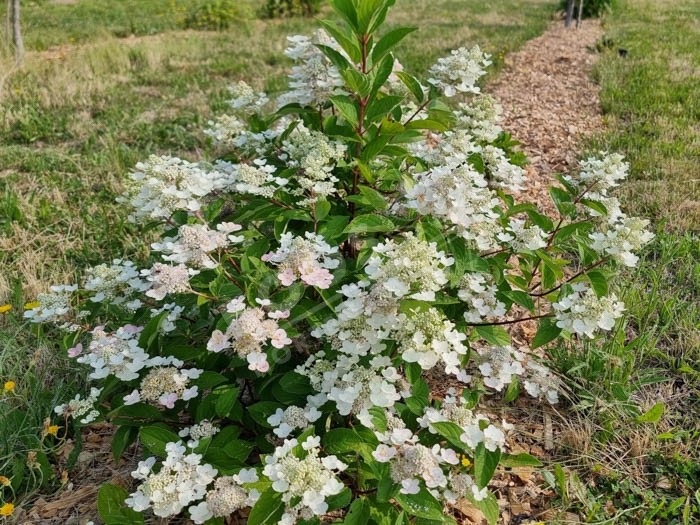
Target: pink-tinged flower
168, 400
279, 314
75, 351
236, 305
279, 339
287, 277
319, 277
258, 362
218, 341
133, 398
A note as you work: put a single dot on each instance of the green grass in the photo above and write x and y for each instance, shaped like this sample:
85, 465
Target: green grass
648, 471
107, 83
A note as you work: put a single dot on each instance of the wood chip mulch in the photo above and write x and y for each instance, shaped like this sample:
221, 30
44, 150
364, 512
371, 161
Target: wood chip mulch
550, 103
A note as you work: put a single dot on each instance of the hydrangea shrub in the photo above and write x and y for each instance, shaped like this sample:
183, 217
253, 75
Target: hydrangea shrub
358, 242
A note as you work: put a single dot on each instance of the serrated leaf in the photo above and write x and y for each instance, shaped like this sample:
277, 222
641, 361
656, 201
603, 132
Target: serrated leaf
412, 84
546, 332
451, 432
122, 438
599, 282
358, 513
420, 393
388, 41
155, 437
347, 108
520, 460
370, 223
268, 509
380, 107
347, 42
485, 463
521, 298
496, 335
111, 507
422, 505
489, 507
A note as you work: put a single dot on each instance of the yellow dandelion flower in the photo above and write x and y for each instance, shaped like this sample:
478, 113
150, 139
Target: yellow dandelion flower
5, 308
7, 509
32, 305
52, 430
5, 481
9, 386
465, 461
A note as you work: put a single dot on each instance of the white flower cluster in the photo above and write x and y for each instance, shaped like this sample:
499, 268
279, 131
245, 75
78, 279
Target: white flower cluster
427, 337
166, 383
412, 267
314, 79
480, 117
540, 382
499, 364
459, 72
167, 279
163, 185
307, 258
229, 130
228, 496
293, 418
355, 388
117, 353
115, 283
182, 479
202, 430
502, 173
314, 156
304, 482
51, 307
245, 98
599, 175
250, 330
256, 177
523, 238
173, 312
81, 407
460, 195
583, 312
363, 320
478, 291
195, 243
621, 239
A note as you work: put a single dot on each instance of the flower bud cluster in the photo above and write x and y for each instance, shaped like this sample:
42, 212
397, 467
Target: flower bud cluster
248, 333
228, 496
304, 478
81, 407
52, 307
168, 279
480, 117
182, 479
115, 283
459, 72
165, 384
583, 312
195, 243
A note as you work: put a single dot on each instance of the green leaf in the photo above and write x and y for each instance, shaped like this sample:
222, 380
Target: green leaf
521, 298
370, 223
375, 199
347, 440
653, 415
489, 506
562, 200
261, 410
358, 514
380, 107
496, 335
419, 397
349, 44
268, 509
111, 507
451, 432
430, 124
226, 398
346, 9
599, 282
547, 331
122, 438
485, 463
238, 450
155, 437
520, 460
422, 505
340, 500
513, 390
412, 84
347, 108
388, 41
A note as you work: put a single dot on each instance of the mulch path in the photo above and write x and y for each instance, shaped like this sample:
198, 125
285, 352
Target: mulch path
549, 104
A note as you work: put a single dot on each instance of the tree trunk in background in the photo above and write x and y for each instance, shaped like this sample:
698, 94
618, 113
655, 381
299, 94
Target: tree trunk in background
8, 23
17, 34
569, 12
580, 13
